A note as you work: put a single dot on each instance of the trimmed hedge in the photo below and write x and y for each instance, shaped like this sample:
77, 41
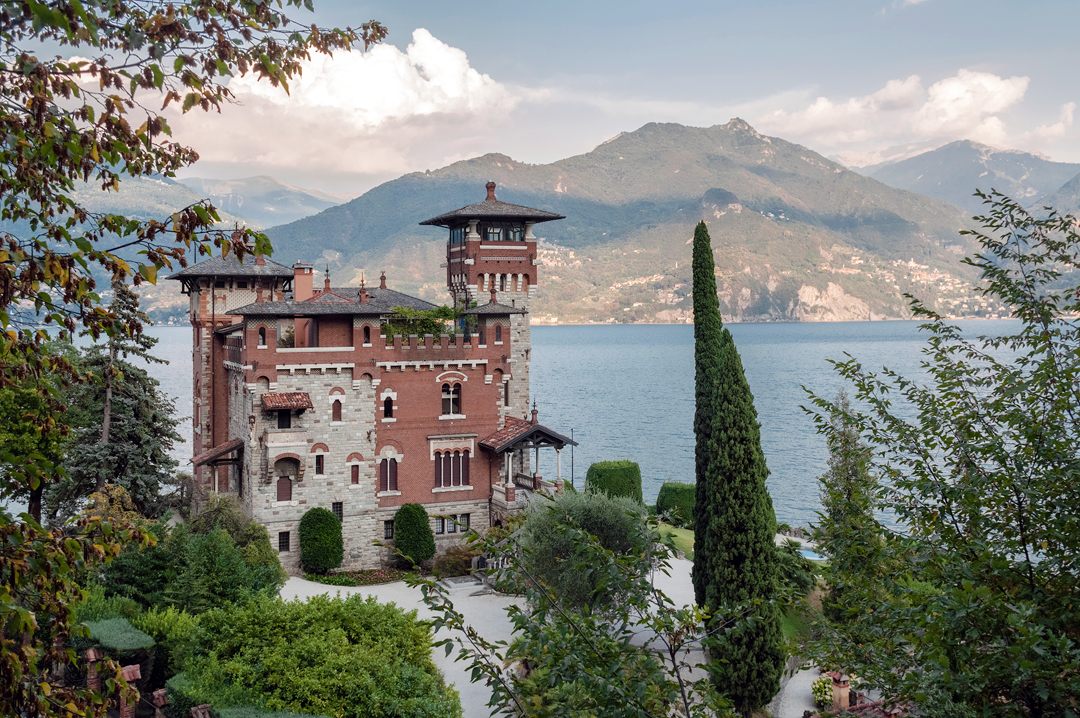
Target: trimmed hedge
676, 500
615, 478
249, 712
117, 634
412, 534
321, 547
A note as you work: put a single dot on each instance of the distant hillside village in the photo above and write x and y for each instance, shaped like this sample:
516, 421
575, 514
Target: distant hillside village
327, 396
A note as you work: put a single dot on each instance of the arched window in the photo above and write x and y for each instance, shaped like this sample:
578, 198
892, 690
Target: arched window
262, 336
498, 333
483, 336
502, 282
335, 410
367, 334
451, 468
451, 399
284, 488
388, 407
388, 475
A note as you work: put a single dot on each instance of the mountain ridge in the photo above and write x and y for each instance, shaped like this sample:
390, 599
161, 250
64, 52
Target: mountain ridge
806, 237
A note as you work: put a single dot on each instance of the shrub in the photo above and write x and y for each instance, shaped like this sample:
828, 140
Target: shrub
568, 486
615, 478
455, 561
795, 572
172, 631
553, 552
348, 657
321, 548
98, 606
211, 571
821, 690
676, 503
412, 534
117, 634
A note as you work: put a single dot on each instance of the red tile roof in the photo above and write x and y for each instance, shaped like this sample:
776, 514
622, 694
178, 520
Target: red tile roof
513, 429
295, 400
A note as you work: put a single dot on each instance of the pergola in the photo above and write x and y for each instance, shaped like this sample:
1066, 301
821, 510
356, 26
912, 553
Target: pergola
518, 435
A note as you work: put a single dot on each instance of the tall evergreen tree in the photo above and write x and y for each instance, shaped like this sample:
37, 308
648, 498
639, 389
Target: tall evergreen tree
735, 560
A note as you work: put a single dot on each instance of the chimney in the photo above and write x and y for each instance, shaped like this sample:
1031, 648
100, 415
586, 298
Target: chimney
302, 281
326, 279
362, 297
260, 261
534, 412
382, 280
491, 191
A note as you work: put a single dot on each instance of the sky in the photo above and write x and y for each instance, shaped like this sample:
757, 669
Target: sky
860, 81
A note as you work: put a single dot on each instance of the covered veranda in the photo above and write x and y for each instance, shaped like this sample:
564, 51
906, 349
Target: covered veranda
512, 444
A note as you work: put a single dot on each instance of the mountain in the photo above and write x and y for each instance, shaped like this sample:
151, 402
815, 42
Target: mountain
953, 172
797, 237
261, 201
1066, 198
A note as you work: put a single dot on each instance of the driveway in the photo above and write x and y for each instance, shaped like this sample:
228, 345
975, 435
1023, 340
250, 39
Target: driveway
486, 612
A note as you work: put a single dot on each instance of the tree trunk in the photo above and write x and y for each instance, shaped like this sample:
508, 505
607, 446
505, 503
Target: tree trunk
106, 416
33, 504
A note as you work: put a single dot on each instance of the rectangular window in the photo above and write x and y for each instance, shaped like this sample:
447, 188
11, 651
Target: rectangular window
320, 464
440, 525
355, 469
284, 419
457, 235
517, 234
283, 541
219, 284
493, 234
463, 519
241, 285
388, 530
338, 509
451, 524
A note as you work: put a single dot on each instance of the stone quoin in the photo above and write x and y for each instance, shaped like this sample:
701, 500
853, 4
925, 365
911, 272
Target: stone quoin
302, 400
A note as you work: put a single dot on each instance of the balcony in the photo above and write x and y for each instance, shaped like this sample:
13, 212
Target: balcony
282, 438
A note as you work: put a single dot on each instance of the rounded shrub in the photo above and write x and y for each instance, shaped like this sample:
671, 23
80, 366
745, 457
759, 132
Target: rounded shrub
412, 534
321, 547
676, 503
615, 478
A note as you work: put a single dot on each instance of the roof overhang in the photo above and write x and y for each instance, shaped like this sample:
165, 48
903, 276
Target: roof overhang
215, 456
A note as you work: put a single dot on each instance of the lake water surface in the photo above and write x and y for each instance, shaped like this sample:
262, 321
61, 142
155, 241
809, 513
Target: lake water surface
627, 391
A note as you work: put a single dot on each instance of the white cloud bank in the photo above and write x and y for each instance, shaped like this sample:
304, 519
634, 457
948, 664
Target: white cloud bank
358, 113
905, 117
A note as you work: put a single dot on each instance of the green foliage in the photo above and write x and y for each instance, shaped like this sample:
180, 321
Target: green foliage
847, 531
455, 561
795, 572
615, 478
734, 555
136, 451
405, 321
117, 634
568, 660
336, 657
172, 631
249, 712
321, 547
211, 570
568, 486
413, 537
187, 690
821, 690
98, 606
676, 503
551, 554
974, 603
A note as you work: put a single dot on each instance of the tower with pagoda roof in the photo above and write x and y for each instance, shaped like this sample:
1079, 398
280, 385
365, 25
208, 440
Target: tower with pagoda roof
491, 250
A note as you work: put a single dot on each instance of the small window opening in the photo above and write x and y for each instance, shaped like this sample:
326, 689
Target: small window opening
388, 408
283, 541
338, 509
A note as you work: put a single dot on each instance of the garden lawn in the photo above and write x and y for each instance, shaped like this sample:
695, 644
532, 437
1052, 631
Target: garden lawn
682, 538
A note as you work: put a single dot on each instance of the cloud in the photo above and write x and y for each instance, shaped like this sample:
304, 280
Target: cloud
904, 117
369, 113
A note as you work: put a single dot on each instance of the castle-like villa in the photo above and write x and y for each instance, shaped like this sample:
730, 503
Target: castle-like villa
301, 399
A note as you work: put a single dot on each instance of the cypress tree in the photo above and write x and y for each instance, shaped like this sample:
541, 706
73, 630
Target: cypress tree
735, 561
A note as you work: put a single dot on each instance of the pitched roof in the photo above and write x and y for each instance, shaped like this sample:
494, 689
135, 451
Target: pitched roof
295, 400
232, 267
494, 308
492, 209
516, 431
338, 301
218, 451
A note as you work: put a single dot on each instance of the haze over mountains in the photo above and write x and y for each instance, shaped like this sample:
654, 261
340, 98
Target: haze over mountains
954, 171
797, 236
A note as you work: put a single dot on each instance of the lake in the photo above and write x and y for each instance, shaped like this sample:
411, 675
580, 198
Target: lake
627, 392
